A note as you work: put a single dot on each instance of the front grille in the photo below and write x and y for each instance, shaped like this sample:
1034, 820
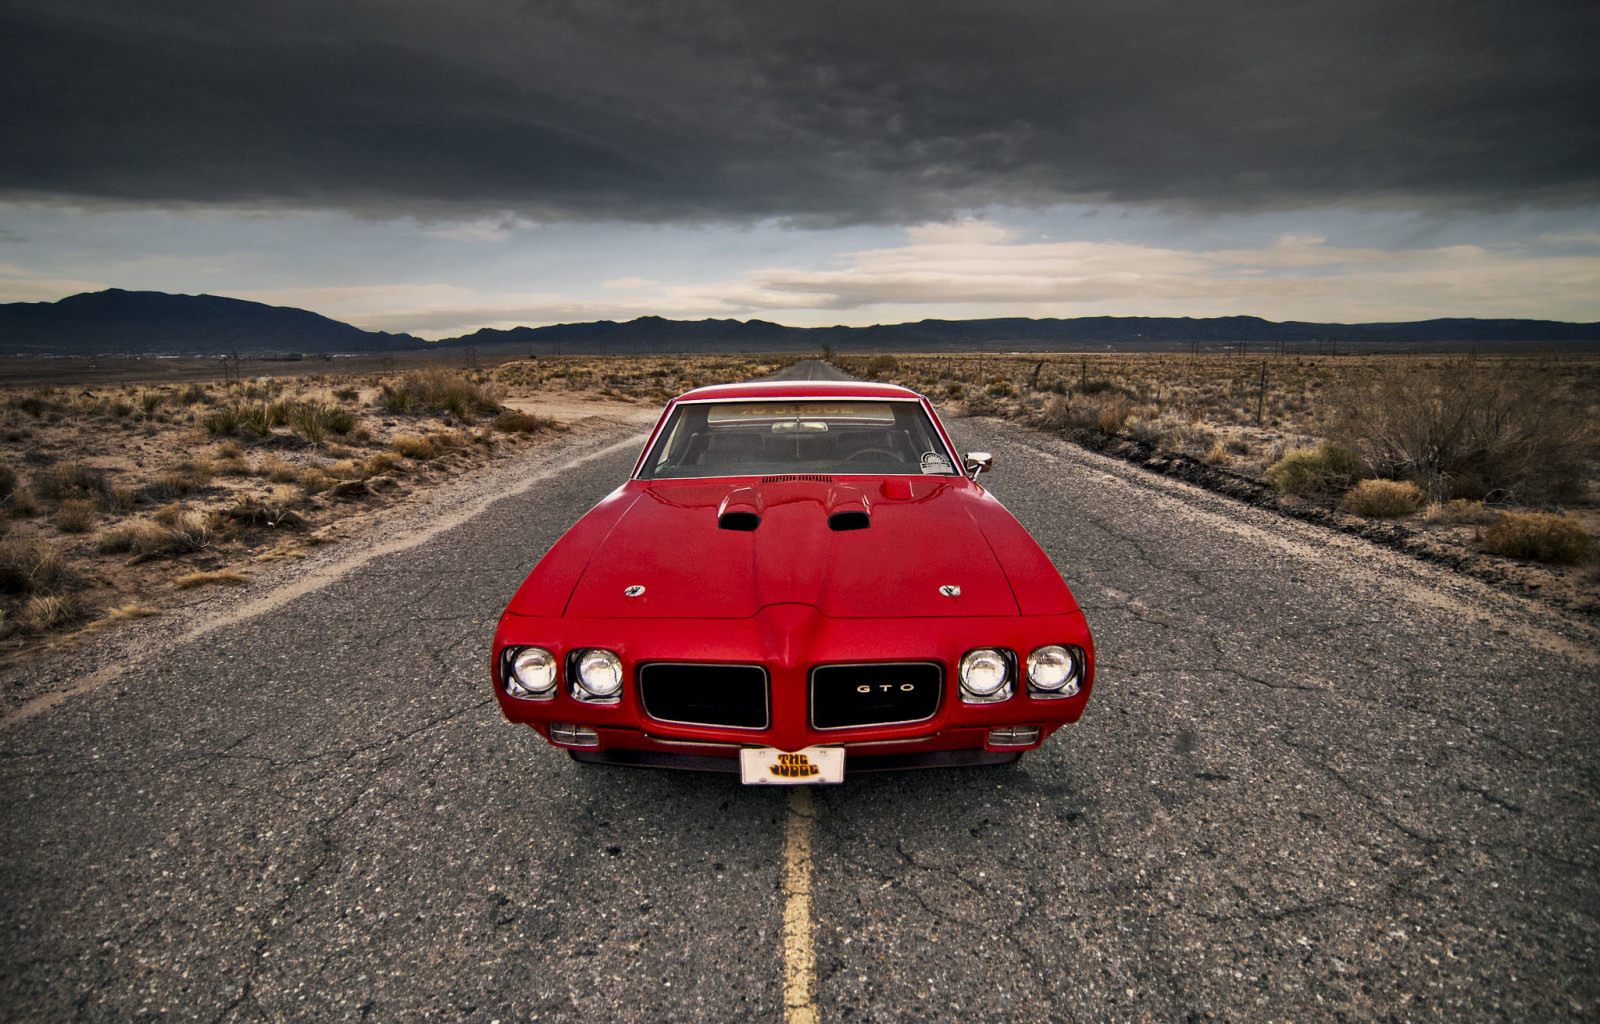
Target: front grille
845, 696
734, 696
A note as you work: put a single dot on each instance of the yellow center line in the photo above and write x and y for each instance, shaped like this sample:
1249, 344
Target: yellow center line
799, 955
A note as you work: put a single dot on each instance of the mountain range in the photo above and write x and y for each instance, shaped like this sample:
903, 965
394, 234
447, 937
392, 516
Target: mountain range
125, 323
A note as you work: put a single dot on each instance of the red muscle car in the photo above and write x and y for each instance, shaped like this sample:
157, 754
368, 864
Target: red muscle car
800, 578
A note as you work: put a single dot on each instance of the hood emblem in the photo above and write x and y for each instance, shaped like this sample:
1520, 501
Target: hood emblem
950, 590
633, 591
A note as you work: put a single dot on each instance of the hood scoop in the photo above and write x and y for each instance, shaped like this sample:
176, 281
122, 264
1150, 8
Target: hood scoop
848, 509
740, 510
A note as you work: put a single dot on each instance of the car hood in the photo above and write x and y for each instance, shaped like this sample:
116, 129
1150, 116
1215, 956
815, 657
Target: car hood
896, 548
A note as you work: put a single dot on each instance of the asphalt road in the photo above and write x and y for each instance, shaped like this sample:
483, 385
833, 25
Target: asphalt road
1316, 782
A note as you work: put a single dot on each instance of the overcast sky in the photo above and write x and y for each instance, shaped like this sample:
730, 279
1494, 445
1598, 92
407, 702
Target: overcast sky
434, 167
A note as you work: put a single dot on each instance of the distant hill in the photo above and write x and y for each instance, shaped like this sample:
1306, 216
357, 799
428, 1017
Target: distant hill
136, 323
653, 334
116, 322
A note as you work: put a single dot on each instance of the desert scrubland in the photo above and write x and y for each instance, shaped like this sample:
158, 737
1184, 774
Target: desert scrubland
119, 500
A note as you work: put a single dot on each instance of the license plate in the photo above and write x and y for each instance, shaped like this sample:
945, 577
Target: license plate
764, 766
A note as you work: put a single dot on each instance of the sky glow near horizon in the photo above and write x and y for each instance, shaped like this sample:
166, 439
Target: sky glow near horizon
409, 170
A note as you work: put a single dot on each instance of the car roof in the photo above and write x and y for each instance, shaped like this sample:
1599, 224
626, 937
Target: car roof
799, 389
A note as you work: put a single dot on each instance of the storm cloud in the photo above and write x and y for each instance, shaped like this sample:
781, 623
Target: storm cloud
812, 112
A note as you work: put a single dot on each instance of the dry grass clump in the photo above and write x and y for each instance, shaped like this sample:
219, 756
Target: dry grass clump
439, 390
1106, 413
68, 480
1538, 537
172, 530
1384, 499
1468, 429
278, 471
382, 464
413, 447
131, 610
31, 566
1457, 512
1328, 468
227, 577
315, 481
44, 612
346, 470
75, 516
515, 421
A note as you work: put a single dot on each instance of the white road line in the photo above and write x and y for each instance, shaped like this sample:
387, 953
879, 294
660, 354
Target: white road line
799, 955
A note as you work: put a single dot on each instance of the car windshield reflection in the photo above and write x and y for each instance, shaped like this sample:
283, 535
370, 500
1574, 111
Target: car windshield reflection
759, 438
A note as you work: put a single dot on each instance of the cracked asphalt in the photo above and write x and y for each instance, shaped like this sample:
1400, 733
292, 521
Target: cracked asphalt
1317, 781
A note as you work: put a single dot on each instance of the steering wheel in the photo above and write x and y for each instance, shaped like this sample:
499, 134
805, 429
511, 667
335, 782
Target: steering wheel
864, 452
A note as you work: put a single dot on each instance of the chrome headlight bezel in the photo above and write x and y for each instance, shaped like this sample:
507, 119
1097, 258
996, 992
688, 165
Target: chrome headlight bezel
528, 673
1048, 679
596, 675
988, 660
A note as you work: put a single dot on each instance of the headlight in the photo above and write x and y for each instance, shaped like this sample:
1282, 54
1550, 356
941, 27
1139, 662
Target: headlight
1056, 671
528, 673
985, 676
599, 674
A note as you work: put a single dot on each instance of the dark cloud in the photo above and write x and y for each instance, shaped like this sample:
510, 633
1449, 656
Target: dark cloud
819, 112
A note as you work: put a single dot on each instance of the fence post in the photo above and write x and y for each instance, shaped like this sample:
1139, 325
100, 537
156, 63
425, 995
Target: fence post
1261, 395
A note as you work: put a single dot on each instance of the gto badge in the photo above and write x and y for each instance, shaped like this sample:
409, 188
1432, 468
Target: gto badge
950, 590
634, 591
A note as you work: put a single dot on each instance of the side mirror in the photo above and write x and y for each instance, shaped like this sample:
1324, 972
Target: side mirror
978, 462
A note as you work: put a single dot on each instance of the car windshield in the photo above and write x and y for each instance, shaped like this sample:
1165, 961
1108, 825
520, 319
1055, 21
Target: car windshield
835, 436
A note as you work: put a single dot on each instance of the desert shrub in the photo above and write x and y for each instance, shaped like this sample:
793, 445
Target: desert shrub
222, 422
1328, 468
1110, 414
347, 394
8, 482
248, 510
278, 413
1539, 537
30, 566
442, 390
315, 481
149, 402
395, 398
311, 422
44, 612
515, 421
346, 470
170, 531
75, 515
999, 388
879, 365
121, 499
254, 418
1458, 511
413, 447
278, 471
67, 480
1468, 430
382, 463
121, 408
192, 395
340, 421
1216, 455
1384, 499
